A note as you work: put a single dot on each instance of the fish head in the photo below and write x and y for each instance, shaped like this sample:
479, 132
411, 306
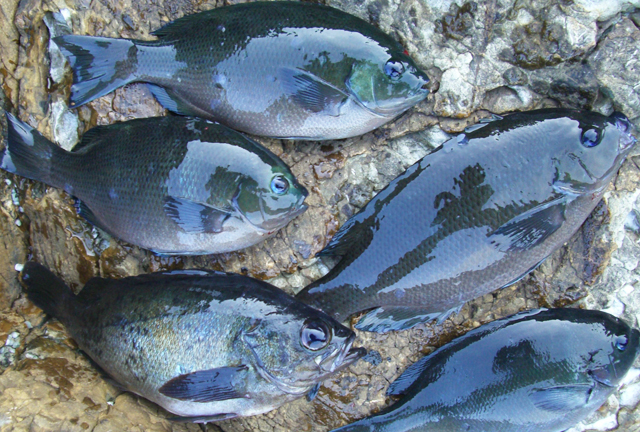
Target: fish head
269, 200
609, 360
597, 146
388, 84
300, 348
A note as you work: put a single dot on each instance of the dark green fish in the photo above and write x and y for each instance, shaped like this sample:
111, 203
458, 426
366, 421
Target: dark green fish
203, 345
474, 216
174, 185
538, 371
280, 69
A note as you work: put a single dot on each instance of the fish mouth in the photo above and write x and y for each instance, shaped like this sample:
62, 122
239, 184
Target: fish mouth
601, 376
272, 225
342, 358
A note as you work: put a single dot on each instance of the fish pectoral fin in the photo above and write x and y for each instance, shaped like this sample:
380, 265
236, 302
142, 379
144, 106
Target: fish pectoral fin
193, 217
206, 386
410, 375
204, 419
482, 123
313, 392
312, 93
530, 228
394, 318
561, 398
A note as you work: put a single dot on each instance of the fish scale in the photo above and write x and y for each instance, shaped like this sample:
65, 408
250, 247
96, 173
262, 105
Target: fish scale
537, 371
471, 217
203, 345
279, 69
174, 185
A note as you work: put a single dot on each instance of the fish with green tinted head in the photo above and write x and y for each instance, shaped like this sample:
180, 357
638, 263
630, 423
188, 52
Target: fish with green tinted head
279, 69
475, 215
205, 346
174, 185
538, 371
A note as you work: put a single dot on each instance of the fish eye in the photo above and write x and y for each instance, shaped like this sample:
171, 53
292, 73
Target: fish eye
315, 335
591, 138
279, 185
621, 343
394, 69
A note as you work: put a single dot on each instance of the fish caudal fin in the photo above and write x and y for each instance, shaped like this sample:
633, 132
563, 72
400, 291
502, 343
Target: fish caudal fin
100, 65
46, 290
28, 153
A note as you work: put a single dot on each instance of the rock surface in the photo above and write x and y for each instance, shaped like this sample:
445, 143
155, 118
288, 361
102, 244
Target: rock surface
495, 56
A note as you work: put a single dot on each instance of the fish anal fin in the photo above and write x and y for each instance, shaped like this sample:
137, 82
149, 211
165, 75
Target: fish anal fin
204, 419
173, 102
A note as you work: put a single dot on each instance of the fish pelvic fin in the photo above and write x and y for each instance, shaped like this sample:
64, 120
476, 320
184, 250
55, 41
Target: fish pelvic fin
100, 65
46, 290
28, 153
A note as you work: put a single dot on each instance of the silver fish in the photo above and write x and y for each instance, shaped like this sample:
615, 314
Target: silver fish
203, 345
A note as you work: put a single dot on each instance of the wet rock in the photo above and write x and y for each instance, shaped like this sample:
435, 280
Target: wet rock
616, 62
482, 57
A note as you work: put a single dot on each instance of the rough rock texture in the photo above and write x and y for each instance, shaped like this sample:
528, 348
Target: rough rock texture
494, 56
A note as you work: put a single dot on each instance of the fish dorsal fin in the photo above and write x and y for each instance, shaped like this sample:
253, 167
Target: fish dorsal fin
530, 228
207, 385
409, 376
562, 398
96, 134
193, 217
343, 241
311, 92
93, 290
176, 29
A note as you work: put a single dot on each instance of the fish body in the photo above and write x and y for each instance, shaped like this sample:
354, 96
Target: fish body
538, 371
473, 216
203, 345
279, 69
174, 185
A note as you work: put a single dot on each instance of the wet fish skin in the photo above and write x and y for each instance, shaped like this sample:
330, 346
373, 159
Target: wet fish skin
473, 216
279, 69
537, 371
174, 185
203, 345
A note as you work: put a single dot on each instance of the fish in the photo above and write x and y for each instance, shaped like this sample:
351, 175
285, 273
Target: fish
538, 371
475, 215
204, 345
173, 185
278, 69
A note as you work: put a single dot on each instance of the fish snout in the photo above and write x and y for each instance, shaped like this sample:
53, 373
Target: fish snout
626, 128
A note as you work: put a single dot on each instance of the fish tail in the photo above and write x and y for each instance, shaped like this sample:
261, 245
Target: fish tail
28, 153
46, 290
100, 65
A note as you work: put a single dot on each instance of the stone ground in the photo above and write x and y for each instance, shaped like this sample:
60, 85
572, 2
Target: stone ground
494, 56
